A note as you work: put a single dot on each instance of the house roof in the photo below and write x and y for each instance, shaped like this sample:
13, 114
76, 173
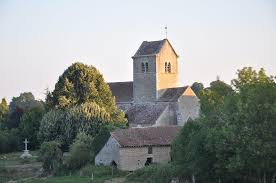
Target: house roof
147, 136
172, 94
122, 91
145, 113
151, 48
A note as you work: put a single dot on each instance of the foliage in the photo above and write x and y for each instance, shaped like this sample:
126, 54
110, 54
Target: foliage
80, 152
100, 175
29, 126
51, 156
64, 125
234, 140
99, 141
19, 105
79, 84
4, 110
9, 140
197, 88
153, 174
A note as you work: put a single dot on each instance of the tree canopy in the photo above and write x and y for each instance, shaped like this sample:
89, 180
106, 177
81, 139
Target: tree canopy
234, 139
79, 84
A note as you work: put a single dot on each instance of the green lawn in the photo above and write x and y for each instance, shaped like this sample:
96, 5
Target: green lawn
13, 168
63, 179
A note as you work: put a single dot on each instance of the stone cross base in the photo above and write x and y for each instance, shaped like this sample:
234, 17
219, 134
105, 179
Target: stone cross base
26, 154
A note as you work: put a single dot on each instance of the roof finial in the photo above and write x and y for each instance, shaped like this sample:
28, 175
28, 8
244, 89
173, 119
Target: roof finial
166, 31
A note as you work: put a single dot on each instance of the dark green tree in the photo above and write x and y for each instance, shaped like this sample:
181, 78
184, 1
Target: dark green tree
19, 105
235, 138
29, 125
64, 125
81, 84
197, 87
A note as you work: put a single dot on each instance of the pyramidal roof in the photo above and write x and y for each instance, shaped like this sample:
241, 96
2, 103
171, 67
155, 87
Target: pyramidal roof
148, 48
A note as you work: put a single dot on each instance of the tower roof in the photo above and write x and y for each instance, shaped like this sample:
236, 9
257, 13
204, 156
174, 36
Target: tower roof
148, 48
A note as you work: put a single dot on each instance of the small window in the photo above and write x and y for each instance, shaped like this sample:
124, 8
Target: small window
169, 67
149, 150
143, 67
147, 67
166, 65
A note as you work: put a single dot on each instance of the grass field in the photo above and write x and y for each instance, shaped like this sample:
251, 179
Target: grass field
13, 168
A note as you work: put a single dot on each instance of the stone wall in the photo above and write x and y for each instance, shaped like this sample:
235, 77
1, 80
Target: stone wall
144, 83
188, 107
166, 80
135, 157
168, 116
109, 153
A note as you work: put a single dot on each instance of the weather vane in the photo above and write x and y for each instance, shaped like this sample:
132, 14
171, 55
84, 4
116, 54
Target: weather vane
166, 31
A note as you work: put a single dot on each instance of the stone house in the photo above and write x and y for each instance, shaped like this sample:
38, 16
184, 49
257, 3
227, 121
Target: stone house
154, 96
133, 148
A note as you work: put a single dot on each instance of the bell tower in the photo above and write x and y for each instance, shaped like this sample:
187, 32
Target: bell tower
155, 68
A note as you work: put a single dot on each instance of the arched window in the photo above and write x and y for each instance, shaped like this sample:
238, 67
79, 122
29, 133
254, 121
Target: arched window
147, 67
143, 67
169, 67
166, 65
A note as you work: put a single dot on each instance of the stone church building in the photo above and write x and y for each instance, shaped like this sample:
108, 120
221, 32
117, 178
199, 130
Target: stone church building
154, 97
155, 106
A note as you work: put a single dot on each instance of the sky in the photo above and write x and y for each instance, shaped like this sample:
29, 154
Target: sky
40, 39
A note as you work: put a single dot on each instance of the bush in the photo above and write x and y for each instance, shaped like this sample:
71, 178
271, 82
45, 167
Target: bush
51, 156
9, 141
80, 152
101, 172
154, 174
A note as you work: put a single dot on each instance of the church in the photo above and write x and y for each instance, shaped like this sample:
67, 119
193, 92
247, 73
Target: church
154, 97
155, 106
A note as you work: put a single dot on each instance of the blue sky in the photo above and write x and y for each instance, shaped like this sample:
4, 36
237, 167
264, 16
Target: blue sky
40, 39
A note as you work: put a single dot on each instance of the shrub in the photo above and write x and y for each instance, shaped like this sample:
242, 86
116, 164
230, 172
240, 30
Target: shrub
154, 174
9, 141
51, 156
80, 152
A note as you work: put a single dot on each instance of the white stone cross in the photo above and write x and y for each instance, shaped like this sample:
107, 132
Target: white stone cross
26, 144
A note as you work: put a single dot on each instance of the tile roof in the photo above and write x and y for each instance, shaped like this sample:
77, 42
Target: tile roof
149, 48
147, 136
122, 91
172, 94
145, 114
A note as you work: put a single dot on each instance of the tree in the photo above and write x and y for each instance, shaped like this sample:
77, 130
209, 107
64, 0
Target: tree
64, 125
197, 88
51, 156
29, 125
19, 105
235, 138
80, 152
212, 98
79, 84
4, 110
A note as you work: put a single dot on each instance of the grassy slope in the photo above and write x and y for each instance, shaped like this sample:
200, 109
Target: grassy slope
13, 168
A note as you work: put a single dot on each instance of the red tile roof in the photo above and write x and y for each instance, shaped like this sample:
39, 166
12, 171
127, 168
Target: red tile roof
146, 136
